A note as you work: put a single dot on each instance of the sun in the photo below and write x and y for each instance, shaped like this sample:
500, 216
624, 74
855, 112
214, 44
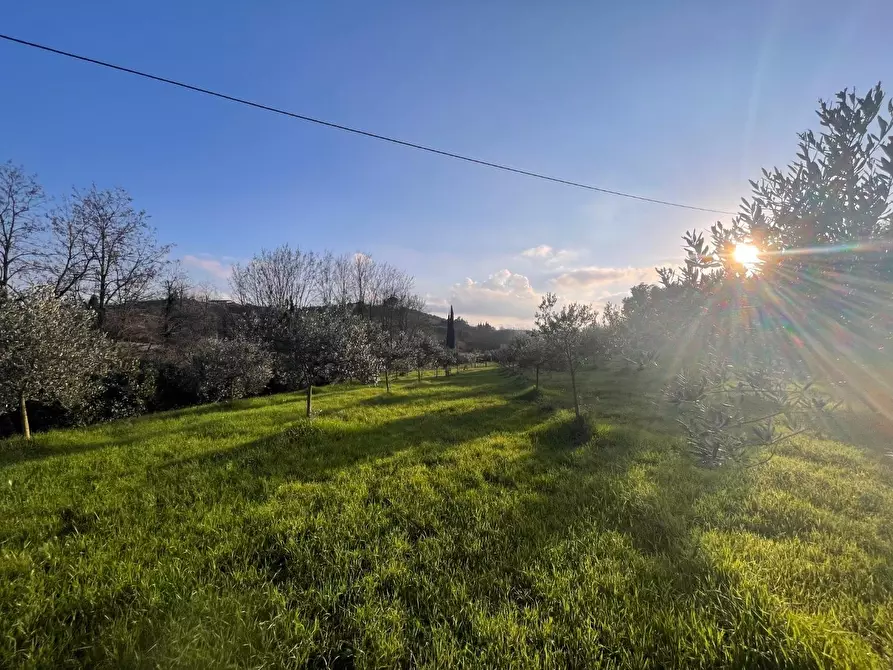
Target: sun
748, 255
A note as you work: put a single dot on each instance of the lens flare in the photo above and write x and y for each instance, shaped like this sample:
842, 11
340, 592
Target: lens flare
748, 255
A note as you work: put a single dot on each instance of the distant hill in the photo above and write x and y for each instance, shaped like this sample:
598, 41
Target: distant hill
154, 321
471, 338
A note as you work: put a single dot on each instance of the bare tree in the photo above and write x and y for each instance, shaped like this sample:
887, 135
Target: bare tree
378, 281
21, 222
125, 258
325, 285
383, 283
282, 278
187, 311
175, 289
363, 269
67, 258
393, 298
343, 279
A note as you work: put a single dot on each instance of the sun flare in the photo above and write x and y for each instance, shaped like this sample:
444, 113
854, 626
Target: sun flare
748, 255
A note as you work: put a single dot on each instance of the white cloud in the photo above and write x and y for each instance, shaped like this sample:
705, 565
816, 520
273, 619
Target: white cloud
210, 265
591, 278
542, 251
509, 298
549, 255
599, 285
505, 298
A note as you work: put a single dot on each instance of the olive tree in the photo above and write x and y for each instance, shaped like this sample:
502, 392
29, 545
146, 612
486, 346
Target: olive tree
530, 350
564, 331
50, 351
230, 369
318, 346
425, 350
814, 307
394, 349
730, 412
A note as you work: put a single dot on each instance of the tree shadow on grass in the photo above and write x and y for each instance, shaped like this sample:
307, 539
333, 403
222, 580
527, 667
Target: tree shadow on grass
495, 525
609, 397
204, 421
541, 498
14, 450
385, 399
659, 502
870, 431
649, 498
228, 407
314, 450
533, 394
415, 396
574, 490
126, 433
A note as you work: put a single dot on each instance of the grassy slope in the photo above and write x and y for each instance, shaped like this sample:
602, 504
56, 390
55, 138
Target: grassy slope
445, 525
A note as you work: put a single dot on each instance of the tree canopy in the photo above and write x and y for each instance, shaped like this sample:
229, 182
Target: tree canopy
50, 350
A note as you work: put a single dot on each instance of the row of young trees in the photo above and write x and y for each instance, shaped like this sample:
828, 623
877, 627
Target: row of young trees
54, 351
96, 322
745, 341
565, 338
748, 339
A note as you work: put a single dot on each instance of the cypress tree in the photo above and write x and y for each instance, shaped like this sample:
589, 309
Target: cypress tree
451, 331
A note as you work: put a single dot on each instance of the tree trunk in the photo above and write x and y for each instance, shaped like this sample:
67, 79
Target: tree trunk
537, 377
309, 398
387, 380
574, 387
26, 427
436, 372
419, 370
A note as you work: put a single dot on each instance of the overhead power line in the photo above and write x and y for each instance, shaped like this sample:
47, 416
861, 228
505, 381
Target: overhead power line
356, 131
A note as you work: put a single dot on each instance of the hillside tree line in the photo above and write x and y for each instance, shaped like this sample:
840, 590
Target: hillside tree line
97, 323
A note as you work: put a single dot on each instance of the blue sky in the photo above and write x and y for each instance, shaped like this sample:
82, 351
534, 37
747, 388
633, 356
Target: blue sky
674, 100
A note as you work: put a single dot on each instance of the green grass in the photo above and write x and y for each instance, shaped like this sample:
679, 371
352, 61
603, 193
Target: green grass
456, 523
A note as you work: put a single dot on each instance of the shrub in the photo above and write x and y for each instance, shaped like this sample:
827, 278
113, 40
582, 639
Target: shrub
729, 411
175, 385
129, 389
229, 369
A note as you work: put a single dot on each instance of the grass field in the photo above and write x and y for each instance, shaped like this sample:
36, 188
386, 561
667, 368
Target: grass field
453, 523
